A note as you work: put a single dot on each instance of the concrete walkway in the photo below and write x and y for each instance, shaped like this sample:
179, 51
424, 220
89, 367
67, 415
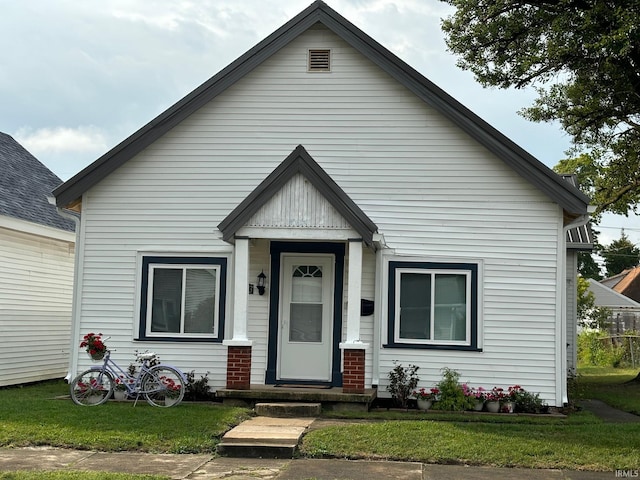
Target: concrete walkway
204, 467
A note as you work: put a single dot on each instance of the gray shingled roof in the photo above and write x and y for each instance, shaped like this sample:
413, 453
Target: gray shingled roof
25, 184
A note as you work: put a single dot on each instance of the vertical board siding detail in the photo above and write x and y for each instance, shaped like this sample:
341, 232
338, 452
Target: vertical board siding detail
298, 204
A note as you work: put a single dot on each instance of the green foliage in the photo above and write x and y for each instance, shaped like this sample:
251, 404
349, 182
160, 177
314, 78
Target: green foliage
596, 348
197, 390
527, 402
583, 57
402, 382
589, 315
620, 255
452, 397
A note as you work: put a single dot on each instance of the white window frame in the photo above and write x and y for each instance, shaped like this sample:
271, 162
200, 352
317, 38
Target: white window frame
432, 273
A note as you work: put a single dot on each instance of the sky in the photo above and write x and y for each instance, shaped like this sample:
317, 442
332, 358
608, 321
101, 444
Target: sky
79, 76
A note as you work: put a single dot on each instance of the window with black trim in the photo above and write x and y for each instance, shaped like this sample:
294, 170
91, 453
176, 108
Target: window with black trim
183, 298
433, 305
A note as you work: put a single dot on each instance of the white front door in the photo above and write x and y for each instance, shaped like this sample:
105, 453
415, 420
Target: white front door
306, 323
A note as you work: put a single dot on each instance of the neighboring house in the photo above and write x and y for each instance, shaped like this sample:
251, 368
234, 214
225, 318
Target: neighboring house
625, 311
391, 224
626, 283
36, 270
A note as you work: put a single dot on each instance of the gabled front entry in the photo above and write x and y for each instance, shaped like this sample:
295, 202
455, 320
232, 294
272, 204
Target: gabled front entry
305, 319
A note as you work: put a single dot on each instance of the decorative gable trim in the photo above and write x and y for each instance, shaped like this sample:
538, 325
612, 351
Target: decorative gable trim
299, 161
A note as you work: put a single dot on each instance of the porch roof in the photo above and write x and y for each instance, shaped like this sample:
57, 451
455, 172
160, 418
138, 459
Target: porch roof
299, 161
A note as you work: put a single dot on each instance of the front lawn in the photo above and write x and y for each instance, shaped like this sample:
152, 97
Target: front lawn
610, 385
32, 415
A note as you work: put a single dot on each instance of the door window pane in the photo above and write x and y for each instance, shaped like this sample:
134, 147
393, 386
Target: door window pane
305, 310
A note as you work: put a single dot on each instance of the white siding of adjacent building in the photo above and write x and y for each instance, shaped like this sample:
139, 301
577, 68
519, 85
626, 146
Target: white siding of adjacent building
36, 285
433, 192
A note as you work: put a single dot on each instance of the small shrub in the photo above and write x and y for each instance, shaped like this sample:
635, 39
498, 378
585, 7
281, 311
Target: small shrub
452, 396
197, 390
402, 382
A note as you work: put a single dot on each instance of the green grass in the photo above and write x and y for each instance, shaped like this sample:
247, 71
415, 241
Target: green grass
609, 385
33, 416
594, 446
580, 442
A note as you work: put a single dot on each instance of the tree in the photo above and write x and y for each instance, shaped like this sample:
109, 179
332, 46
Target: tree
620, 255
588, 314
583, 56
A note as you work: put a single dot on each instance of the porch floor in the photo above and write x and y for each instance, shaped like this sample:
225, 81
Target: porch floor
331, 398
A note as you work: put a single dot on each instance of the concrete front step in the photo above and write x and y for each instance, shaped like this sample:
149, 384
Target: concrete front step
264, 437
288, 409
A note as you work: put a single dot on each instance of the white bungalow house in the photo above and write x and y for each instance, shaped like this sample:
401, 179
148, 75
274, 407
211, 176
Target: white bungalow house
316, 211
36, 270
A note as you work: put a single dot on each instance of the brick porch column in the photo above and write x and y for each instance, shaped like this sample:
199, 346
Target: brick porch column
353, 372
239, 367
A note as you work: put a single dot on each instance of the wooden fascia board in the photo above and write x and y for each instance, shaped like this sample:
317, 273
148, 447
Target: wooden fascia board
299, 161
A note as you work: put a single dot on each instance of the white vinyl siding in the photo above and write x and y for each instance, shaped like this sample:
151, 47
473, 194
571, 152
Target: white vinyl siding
36, 285
429, 187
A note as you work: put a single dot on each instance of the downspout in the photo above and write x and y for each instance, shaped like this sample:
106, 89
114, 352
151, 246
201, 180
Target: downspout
75, 305
562, 344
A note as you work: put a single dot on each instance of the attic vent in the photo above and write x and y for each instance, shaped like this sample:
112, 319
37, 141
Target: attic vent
319, 60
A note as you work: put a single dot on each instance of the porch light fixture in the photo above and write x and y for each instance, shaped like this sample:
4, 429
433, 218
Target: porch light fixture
261, 279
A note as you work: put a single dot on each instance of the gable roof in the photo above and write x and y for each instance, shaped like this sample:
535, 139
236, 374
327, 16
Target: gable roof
626, 283
25, 184
609, 298
298, 161
569, 198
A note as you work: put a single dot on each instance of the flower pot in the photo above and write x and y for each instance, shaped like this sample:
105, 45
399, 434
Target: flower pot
96, 357
120, 395
95, 398
478, 406
424, 404
493, 406
508, 407
168, 401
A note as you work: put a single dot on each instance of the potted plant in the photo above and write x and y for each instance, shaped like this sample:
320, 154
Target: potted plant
425, 398
94, 345
493, 399
476, 394
172, 391
120, 389
513, 396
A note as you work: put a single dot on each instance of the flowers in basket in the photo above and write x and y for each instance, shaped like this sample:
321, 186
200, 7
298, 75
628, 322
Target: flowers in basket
424, 394
173, 389
94, 345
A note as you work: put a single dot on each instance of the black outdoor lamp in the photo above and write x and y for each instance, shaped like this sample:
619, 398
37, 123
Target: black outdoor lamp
261, 279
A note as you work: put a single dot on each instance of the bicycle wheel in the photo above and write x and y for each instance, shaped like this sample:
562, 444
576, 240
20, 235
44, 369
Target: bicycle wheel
163, 386
92, 387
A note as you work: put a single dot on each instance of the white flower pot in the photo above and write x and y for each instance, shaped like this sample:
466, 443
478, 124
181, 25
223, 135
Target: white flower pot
168, 401
424, 404
120, 394
478, 406
493, 406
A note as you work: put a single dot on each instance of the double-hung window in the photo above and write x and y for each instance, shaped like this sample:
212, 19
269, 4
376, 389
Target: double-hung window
183, 298
433, 305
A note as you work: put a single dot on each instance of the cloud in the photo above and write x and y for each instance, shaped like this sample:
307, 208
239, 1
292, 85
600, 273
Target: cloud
83, 139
